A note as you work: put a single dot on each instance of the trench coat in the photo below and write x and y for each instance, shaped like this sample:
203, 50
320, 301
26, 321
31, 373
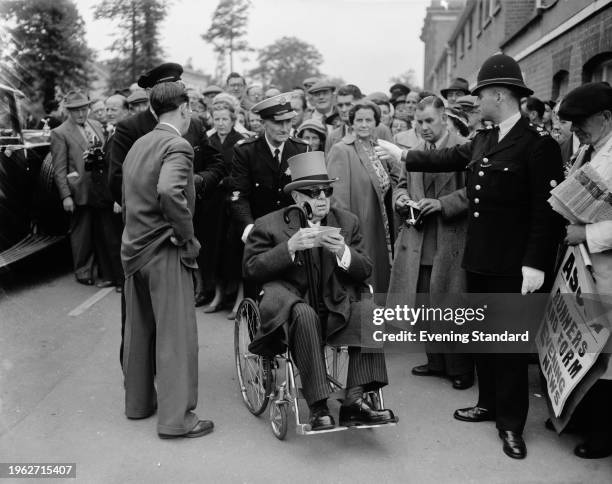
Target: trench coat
358, 191
447, 276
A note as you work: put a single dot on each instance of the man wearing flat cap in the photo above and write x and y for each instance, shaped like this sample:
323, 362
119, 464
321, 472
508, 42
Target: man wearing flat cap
138, 101
207, 162
512, 232
589, 108
322, 96
260, 170
274, 258
69, 142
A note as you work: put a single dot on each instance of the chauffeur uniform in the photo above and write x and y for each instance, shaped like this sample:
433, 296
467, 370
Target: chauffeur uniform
260, 171
510, 225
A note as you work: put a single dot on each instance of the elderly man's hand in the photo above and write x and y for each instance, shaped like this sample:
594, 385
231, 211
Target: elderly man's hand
401, 202
576, 234
334, 243
532, 279
68, 204
386, 150
303, 239
429, 205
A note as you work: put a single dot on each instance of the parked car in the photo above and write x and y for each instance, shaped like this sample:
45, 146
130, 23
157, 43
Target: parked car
31, 214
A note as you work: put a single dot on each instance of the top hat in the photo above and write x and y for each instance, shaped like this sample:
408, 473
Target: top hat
76, 100
586, 100
167, 72
501, 70
308, 169
458, 84
276, 108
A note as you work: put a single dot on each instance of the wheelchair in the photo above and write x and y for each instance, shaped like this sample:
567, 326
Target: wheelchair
272, 382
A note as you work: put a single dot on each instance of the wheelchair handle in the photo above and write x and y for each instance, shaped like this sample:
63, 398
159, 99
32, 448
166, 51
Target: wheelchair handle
304, 213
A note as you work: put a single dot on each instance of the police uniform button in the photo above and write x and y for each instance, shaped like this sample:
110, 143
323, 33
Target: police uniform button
476, 214
553, 183
485, 160
477, 200
505, 169
280, 190
481, 173
278, 202
477, 187
256, 184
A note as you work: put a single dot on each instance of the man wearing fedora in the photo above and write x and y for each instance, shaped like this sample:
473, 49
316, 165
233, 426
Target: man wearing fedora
260, 170
459, 87
512, 233
273, 258
70, 141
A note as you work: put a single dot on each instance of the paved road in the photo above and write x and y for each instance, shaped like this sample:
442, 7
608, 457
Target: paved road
61, 399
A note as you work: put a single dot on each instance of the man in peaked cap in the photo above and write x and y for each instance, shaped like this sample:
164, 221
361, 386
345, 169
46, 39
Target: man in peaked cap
260, 170
322, 96
274, 258
207, 162
589, 108
512, 233
138, 101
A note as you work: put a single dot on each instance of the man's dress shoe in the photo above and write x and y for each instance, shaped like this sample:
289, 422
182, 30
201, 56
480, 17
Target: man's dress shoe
202, 428
321, 420
85, 281
103, 284
592, 449
424, 370
473, 414
201, 299
360, 413
514, 445
462, 382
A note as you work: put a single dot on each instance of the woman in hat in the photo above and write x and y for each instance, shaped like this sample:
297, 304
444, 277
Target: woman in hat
314, 133
365, 188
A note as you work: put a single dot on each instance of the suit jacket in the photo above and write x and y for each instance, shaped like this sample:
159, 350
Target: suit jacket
510, 222
380, 132
67, 148
208, 162
257, 181
160, 200
358, 191
268, 263
450, 225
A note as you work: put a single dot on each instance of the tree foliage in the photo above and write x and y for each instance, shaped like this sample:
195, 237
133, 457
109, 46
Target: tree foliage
408, 77
228, 29
137, 46
287, 62
43, 47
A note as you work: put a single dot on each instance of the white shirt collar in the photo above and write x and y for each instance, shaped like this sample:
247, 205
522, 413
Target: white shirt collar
507, 124
172, 126
273, 148
602, 142
441, 140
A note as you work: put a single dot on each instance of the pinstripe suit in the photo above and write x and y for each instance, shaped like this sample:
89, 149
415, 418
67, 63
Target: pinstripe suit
267, 262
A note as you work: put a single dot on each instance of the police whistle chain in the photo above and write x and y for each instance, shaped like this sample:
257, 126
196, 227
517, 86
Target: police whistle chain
305, 213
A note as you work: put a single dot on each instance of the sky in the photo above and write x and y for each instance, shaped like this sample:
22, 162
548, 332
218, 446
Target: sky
366, 42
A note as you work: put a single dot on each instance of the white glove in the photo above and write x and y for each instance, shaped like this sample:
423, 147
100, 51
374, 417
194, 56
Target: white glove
532, 279
245, 234
116, 208
386, 150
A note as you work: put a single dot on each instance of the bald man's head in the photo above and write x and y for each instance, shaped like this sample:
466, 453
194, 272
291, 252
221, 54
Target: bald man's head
117, 108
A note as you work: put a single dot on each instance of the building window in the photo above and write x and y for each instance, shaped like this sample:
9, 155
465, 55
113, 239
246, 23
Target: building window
462, 44
480, 15
560, 85
469, 31
598, 68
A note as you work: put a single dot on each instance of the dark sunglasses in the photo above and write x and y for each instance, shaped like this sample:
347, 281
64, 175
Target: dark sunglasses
315, 191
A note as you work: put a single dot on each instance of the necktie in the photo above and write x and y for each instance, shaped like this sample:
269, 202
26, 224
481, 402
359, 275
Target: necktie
588, 154
493, 139
276, 158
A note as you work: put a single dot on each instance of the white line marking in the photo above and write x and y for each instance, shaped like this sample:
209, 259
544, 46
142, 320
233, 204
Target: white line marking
85, 305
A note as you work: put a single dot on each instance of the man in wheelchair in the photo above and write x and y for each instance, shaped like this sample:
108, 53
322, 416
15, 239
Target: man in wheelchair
274, 258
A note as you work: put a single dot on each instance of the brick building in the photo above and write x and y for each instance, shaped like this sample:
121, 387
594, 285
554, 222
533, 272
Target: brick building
559, 44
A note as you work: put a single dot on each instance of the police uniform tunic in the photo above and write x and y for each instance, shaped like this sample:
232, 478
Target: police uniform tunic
257, 179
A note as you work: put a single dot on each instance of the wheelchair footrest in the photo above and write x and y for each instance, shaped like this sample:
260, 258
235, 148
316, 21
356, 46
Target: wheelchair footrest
304, 429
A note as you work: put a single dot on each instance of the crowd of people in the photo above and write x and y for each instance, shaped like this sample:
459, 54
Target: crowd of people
446, 191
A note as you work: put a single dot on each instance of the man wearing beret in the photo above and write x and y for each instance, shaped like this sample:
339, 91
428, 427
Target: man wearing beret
260, 170
208, 162
273, 257
512, 232
589, 108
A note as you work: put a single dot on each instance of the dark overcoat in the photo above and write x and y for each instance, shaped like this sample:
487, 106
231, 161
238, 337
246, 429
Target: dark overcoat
510, 223
268, 263
451, 223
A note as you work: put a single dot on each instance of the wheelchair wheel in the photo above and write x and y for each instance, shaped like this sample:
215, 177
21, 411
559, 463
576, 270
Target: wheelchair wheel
278, 419
254, 372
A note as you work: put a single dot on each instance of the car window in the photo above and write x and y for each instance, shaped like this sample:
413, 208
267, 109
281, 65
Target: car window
8, 120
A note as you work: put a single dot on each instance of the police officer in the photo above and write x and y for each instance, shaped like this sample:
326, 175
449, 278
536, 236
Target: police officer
512, 232
260, 170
